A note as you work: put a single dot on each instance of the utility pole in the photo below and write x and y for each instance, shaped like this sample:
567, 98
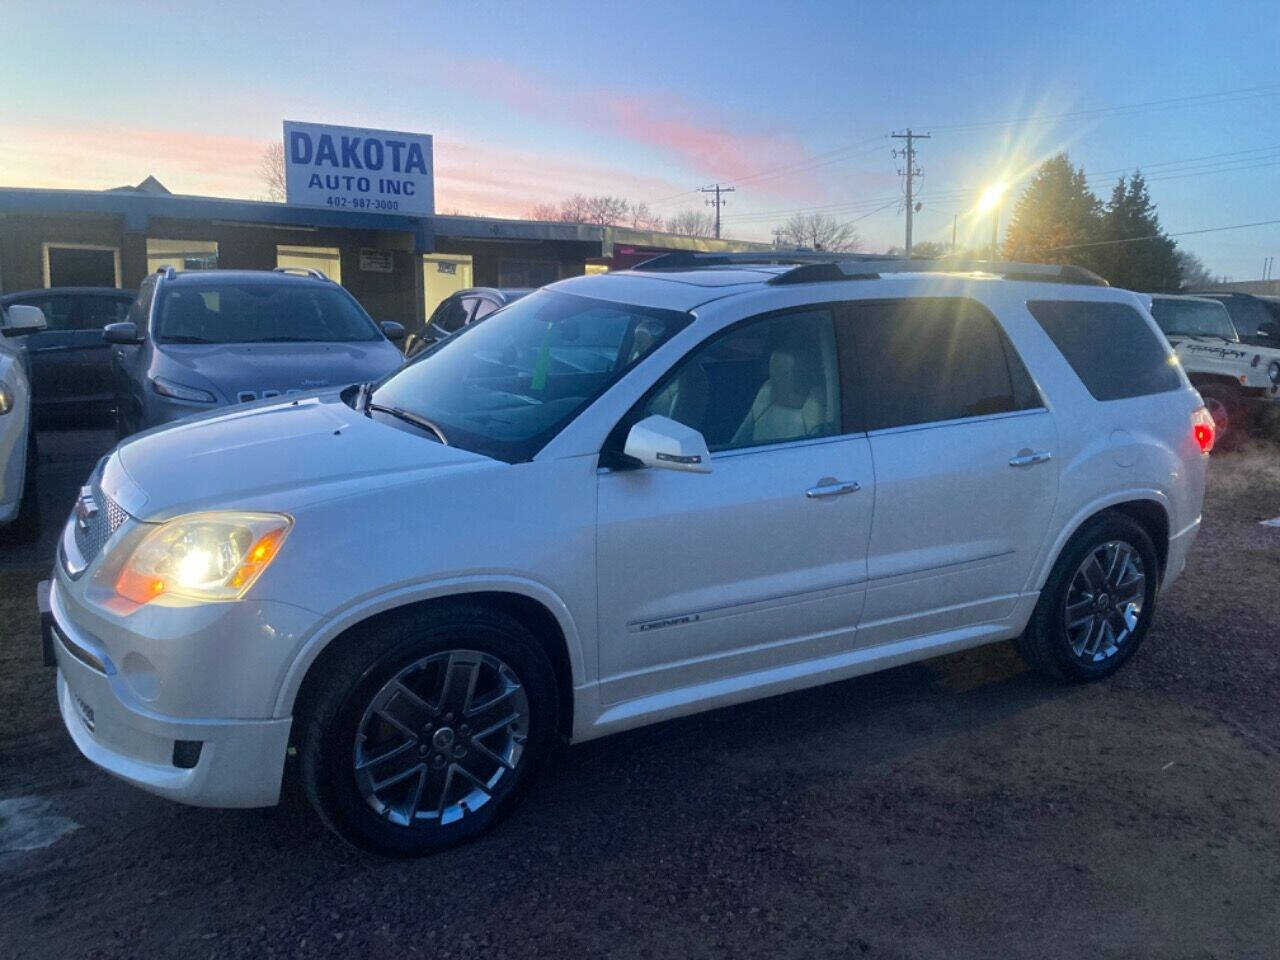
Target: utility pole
911, 171
717, 202
955, 217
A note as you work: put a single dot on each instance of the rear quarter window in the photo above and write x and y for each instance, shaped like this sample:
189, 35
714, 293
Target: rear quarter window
1110, 346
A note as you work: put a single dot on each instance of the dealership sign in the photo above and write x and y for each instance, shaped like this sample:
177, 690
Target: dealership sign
349, 168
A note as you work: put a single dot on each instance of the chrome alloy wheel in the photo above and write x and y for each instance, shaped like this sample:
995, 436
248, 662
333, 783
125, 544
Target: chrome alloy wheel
441, 738
1104, 601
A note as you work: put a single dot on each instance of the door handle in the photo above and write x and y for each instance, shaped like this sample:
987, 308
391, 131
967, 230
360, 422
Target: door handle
48, 349
1028, 458
832, 488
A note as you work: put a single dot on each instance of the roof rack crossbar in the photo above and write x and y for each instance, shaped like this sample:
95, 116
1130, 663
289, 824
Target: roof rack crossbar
814, 266
301, 272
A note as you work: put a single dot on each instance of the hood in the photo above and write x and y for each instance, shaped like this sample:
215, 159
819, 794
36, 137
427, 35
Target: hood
248, 370
276, 456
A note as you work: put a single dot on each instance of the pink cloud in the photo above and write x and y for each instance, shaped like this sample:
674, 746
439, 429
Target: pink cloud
712, 150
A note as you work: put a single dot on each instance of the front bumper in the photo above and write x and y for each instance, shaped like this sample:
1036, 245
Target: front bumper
204, 762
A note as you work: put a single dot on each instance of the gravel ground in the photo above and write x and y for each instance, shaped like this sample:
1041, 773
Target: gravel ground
962, 807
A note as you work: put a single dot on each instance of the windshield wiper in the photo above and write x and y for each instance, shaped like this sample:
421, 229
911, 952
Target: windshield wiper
407, 417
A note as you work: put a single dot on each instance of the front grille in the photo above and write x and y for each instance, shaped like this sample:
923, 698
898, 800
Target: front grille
97, 517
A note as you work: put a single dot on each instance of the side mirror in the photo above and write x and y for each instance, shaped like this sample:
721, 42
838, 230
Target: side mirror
661, 442
1269, 329
124, 332
24, 319
392, 330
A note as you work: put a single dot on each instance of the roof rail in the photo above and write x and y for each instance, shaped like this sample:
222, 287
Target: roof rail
301, 272
812, 266
167, 271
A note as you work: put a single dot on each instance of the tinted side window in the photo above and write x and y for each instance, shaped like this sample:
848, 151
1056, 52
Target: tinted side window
483, 309
929, 360
450, 315
98, 311
1113, 351
59, 311
767, 381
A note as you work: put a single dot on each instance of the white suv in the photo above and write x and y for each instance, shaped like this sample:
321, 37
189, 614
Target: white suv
623, 498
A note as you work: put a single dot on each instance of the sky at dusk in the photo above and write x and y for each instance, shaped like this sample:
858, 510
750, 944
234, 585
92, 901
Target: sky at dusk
789, 102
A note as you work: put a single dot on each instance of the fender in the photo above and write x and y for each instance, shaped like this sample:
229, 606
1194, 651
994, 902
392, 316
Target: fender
1088, 510
336, 622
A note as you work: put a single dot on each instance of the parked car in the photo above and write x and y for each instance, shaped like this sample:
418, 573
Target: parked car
1253, 317
788, 473
198, 340
1231, 376
457, 311
19, 506
70, 362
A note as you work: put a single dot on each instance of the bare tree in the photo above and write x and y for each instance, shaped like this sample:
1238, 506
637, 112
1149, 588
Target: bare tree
642, 218
577, 209
607, 211
1195, 275
549, 212
819, 231
271, 171
692, 223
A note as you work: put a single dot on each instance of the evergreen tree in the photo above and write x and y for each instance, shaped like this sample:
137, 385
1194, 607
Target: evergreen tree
1150, 265
1054, 214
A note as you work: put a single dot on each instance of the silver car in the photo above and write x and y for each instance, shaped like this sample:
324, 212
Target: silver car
197, 340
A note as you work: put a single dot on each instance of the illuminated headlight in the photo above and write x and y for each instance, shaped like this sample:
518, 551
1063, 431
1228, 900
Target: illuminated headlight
1273, 371
203, 556
167, 388
6, 400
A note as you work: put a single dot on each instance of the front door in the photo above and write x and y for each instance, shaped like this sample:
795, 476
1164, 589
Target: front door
762, 562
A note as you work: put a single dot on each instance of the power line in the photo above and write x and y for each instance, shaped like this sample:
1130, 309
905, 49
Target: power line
1160, 236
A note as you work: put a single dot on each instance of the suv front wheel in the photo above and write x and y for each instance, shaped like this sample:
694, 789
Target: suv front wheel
1097, 605
425, 729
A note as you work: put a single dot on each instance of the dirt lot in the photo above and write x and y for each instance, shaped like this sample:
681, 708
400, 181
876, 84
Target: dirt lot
957, 808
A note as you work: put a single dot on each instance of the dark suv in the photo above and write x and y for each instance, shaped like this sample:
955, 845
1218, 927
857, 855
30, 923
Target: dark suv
70, 362
1255, 318
457, 311
197, 340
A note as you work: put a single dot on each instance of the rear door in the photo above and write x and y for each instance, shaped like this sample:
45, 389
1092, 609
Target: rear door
966, 478
762, 562
89, 355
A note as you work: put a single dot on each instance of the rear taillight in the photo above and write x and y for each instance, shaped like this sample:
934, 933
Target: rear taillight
1202, 429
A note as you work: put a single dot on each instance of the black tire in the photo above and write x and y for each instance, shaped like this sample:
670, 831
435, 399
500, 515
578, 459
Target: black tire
341, 700
25, 527
1047, 645
1229, 409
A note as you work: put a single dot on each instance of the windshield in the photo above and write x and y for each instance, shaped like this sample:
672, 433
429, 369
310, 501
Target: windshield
216, 311
506, 386
1192, 318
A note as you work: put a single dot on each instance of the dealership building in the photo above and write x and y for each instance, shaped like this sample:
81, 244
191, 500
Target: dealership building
398, 265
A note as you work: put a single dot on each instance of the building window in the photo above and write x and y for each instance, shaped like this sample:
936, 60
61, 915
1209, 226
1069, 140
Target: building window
181, 254
81, 265
594, 268
328, 260
527, 273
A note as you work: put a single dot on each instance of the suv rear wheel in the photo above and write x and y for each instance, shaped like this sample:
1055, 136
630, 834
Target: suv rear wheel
1096, 607
425, 730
